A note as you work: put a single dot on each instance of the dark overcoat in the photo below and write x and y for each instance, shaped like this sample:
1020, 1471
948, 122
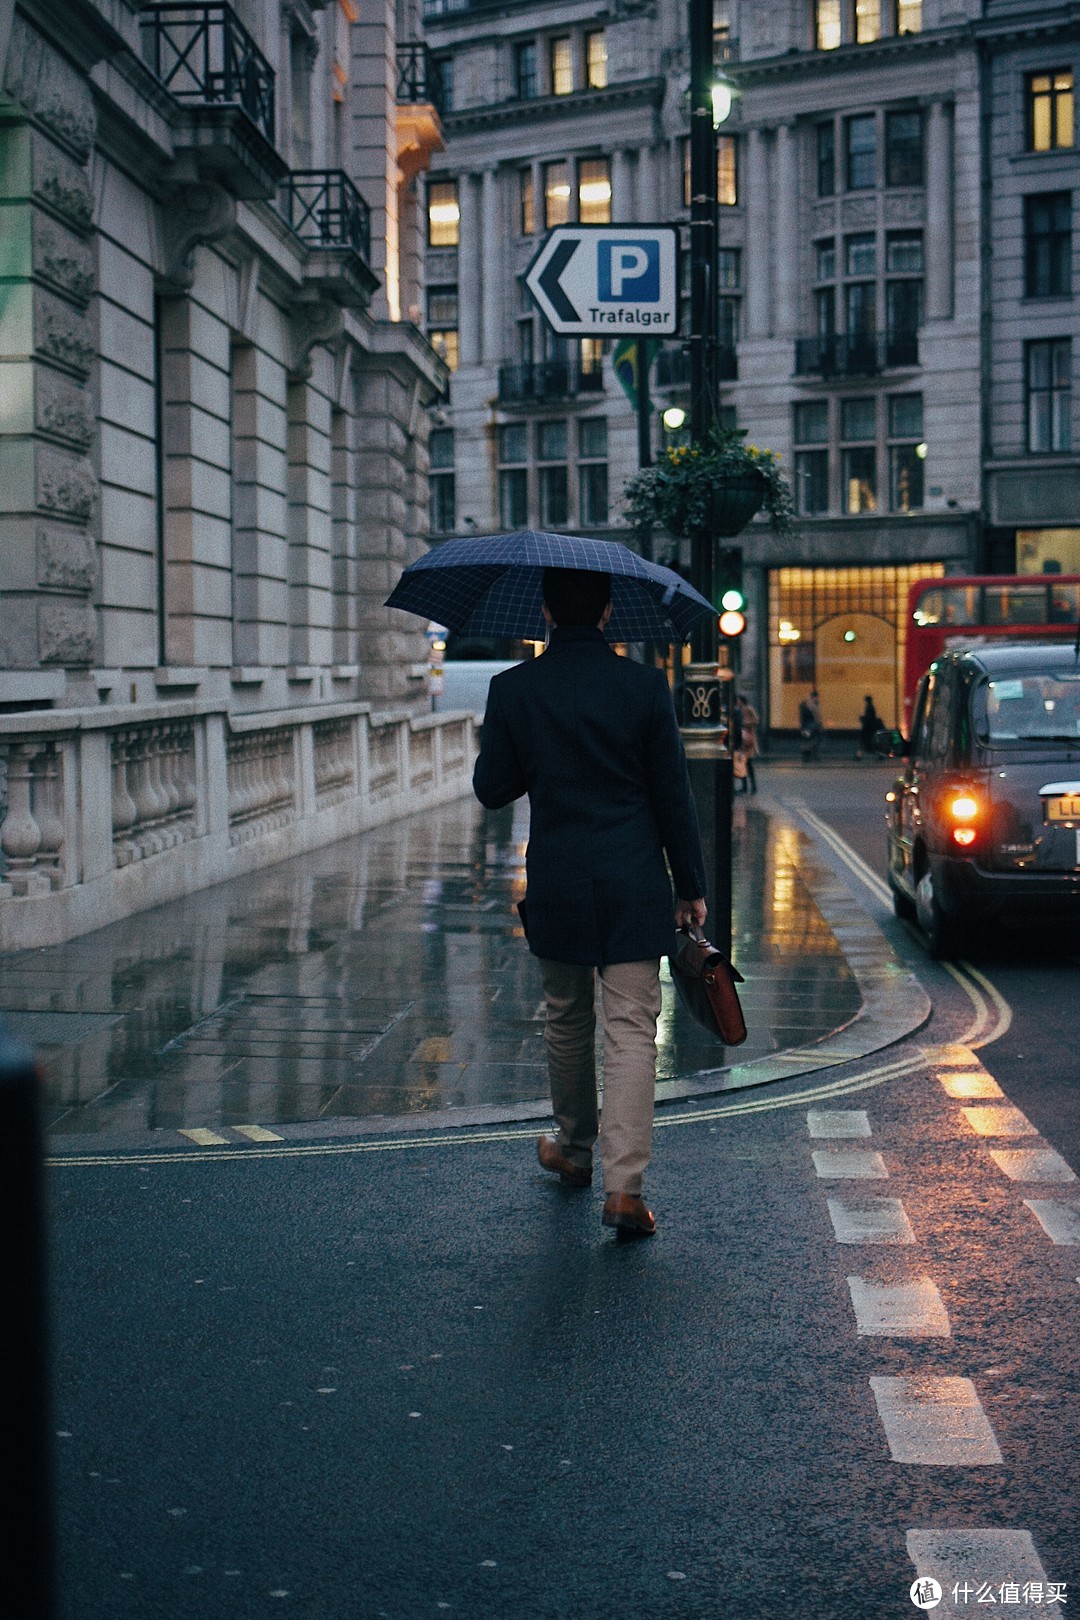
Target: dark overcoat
592, 739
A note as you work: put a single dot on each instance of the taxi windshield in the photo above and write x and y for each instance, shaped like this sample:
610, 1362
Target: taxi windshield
1036, 706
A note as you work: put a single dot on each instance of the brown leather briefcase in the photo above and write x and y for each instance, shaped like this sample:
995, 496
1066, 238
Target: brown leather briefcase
705, 981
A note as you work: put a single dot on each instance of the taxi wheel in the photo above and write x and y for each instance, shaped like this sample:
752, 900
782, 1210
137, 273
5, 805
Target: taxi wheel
940, 931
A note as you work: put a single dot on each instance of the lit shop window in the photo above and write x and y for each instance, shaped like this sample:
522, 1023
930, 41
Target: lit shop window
727, 187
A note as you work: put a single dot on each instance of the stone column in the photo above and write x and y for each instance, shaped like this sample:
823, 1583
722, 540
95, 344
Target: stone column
648, 207
373, 110
939, 213
48, 488
494, 267
785, 253
310, 574
468, 254
622, 205
756, 270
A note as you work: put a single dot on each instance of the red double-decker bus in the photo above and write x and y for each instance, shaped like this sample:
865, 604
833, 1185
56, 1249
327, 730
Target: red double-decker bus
974, 609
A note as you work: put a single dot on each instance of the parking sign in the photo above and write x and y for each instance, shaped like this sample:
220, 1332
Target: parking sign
608, 280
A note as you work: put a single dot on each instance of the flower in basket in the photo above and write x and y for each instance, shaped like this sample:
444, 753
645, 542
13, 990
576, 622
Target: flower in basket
715, 486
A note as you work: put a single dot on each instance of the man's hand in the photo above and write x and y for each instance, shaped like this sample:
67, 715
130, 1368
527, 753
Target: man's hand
687, 911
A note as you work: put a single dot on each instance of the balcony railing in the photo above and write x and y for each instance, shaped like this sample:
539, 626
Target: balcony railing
418, 77
548, 379
862, 355
205, 56
325, 210
672, 367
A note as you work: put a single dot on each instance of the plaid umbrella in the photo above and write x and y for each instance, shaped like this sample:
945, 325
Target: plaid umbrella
490, 586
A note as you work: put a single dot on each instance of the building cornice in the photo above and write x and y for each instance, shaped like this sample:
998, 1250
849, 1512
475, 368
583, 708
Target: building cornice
882, 53
550, 109
1024, 27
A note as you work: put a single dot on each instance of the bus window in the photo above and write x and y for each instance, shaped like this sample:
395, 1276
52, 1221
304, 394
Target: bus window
948, 605
1015, 604
1064, 604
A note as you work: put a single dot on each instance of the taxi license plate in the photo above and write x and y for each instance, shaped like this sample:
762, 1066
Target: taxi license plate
1065, 808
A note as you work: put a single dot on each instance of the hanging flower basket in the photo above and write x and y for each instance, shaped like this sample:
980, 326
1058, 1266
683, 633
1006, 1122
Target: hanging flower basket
712, 488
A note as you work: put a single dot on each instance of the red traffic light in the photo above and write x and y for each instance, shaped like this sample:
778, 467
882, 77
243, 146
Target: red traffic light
732, 623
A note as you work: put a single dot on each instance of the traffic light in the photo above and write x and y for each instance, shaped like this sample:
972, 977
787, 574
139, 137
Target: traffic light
732, 600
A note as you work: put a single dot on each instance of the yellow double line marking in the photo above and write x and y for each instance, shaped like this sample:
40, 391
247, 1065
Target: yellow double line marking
863, 1081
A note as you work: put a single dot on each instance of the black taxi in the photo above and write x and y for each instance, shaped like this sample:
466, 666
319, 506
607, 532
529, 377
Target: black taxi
985, 821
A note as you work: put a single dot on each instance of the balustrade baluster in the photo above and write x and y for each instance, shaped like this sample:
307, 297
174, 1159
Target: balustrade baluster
20, 835
48, 813
125, 812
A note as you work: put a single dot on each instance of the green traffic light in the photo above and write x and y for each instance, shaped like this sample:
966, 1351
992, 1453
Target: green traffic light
733, 601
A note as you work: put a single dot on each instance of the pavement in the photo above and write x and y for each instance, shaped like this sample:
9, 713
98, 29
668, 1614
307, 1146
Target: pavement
384, 979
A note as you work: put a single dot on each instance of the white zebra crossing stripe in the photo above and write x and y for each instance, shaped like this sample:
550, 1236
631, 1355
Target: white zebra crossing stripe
1006, 1121
970, 1085
1032, 1164
909, 1310
870, 1220
1060, 1222
977, 1558
936, 1422
849, 1162
838, 1122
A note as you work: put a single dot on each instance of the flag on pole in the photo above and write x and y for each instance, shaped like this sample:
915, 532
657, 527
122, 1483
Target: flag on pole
624, 362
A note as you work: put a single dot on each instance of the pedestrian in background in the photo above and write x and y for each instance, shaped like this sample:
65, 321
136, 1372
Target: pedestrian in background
592, 739
810, 726
747, 722
869, 726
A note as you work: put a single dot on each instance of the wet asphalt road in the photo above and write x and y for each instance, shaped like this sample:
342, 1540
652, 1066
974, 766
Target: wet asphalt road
402, 1377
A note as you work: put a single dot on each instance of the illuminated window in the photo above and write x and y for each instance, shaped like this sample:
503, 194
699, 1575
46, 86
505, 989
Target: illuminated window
1050, 110
908, 16
596, 60
594, 191
442, 323
528, 203
443, 213
858, 420
727, 176
562, 66
906, 464
556, 194
867, 21
828, 32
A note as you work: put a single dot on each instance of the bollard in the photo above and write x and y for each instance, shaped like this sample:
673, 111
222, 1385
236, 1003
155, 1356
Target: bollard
27, 1442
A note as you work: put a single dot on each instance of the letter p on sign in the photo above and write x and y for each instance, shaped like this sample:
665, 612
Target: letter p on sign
628, 272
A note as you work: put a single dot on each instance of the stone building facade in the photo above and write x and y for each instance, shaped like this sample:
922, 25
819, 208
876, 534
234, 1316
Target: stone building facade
866, 304
213, 438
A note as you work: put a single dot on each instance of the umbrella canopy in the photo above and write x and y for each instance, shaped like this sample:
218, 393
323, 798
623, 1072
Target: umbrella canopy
490, 586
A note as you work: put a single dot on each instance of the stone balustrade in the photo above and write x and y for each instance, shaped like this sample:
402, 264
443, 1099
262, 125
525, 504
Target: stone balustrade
106, 812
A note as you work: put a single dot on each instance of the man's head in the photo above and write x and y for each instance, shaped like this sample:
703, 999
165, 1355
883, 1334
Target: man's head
576, 598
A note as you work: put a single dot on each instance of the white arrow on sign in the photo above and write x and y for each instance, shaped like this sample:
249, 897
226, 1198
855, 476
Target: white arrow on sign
607, 280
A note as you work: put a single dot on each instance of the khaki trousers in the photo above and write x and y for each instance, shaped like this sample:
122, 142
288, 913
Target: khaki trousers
631, 1004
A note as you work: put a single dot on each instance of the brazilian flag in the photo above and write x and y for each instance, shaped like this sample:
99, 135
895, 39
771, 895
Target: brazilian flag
625, 361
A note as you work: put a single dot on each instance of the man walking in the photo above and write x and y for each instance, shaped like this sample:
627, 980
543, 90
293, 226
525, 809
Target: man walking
592, 739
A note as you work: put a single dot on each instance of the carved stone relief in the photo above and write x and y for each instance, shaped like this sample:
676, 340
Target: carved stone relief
859, 213
65, 486
62, 408
62, 186
50, 89
63, 259
313, 323
65, 559
67, 633
62, 333
905, 209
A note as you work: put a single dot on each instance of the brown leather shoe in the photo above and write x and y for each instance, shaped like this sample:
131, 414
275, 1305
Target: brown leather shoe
628, 1213
574, 1175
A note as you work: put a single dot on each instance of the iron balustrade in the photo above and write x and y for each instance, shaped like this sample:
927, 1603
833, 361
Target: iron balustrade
860, 355
548, 379
204, 55
418, 77
325, 210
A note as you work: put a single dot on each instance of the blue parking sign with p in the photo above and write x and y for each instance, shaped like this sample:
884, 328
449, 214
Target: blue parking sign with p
628, 271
